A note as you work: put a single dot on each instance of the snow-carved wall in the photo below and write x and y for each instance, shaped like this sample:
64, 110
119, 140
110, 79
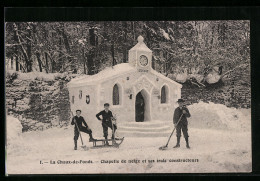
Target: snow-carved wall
38, 101
130, 84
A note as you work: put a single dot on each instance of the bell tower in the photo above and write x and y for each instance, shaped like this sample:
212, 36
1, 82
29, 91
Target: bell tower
140, 56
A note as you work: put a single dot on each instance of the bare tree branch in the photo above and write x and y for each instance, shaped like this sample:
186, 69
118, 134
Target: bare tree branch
242, 65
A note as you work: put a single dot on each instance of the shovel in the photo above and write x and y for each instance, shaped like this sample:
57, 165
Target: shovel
82, 146
113, 132
166, 146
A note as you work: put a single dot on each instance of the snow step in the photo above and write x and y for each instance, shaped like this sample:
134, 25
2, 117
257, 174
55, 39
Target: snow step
145, 129
148, 124
143, 134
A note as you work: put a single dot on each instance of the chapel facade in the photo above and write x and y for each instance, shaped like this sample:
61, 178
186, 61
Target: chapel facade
134, 90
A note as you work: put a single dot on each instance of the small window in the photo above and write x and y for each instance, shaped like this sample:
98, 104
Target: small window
72, 99
80, 94
164, 95
87, 99
116, 95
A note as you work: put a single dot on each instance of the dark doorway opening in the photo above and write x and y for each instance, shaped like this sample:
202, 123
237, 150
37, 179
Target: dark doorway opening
139, 107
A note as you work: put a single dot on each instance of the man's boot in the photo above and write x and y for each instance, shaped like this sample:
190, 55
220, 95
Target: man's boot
106, 141
187, 142
91, 138
178, 142
75, 143
113, 136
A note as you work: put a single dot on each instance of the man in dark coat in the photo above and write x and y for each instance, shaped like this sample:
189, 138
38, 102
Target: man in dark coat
106, 121
183, 123
80, 120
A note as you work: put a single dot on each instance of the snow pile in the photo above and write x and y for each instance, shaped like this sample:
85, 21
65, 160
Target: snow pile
218, 116
165, 35
13, 132
13, 128
15, 142
181, 77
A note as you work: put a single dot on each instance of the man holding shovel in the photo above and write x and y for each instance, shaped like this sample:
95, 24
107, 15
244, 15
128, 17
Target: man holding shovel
181, 114
79, 120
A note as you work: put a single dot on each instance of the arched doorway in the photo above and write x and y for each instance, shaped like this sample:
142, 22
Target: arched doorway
142, 106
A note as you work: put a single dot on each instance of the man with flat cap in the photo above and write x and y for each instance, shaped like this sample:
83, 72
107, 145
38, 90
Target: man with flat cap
181, 112
79, 120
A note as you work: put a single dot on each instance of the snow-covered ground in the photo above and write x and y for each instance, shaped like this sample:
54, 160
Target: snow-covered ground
217, 148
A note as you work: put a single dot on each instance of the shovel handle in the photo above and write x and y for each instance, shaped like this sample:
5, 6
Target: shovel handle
173, 131
78, 129
113, 131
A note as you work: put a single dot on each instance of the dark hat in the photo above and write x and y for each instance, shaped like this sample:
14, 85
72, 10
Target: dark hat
78, 110
106, 104
180, 100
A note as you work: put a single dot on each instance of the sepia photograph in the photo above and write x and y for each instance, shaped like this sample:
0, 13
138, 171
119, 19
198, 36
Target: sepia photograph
127, 97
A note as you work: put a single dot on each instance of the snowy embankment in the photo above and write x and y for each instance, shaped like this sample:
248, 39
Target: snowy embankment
218, 116
14, 136
221, 144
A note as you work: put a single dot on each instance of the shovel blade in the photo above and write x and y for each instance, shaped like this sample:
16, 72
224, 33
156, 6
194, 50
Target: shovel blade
84, 147
116, 145
163, 148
